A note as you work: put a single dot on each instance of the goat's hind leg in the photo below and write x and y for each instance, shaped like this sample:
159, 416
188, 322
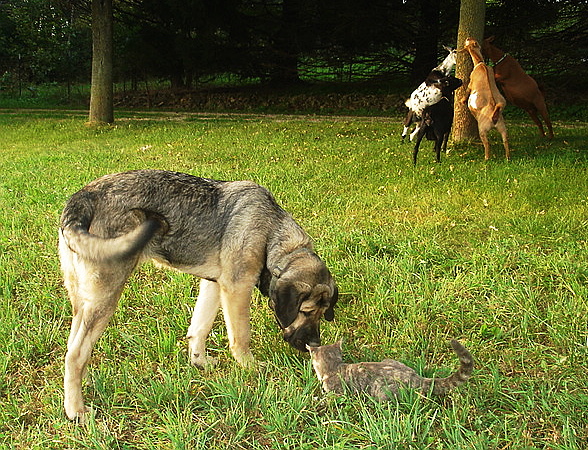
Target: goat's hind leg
484, 138
422, 130
445, 149
547, 120
416, 130
542, 111
441, 144
501, 127
407, 122
532, 112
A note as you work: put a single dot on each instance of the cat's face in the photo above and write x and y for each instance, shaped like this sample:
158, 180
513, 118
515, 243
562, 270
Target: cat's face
325, 358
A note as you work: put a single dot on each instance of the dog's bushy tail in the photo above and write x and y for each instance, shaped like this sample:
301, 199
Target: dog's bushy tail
442, 386
95, 248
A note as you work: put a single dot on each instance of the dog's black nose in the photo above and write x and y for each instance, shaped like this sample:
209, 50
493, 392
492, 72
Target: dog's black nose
300, 345
314, 344
300, 337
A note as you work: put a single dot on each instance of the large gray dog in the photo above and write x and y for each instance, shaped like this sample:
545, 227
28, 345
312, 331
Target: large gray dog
232, 234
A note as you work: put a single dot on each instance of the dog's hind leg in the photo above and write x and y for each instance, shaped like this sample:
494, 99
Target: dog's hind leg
94, 291
205, 311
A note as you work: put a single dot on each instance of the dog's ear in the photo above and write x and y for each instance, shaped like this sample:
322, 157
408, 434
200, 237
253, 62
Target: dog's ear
287, 296
330, 312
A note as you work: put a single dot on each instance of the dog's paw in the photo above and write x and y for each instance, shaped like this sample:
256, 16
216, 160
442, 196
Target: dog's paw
203, 361
246, 360
82, 417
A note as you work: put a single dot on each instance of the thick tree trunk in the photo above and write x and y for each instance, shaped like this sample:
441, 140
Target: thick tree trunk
101, 92
471, 24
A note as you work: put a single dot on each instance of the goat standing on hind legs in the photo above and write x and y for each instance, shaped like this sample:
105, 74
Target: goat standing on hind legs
484, 100
519, 88
437, 119
428, 93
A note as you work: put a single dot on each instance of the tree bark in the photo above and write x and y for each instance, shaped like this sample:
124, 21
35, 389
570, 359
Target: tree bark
101, 91
471, 24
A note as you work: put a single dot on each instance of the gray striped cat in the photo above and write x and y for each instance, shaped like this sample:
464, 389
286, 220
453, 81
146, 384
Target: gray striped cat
382, 380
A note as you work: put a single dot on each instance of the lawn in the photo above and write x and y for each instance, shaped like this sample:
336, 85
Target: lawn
494, 254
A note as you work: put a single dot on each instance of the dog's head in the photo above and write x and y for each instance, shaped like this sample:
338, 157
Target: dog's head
300, 293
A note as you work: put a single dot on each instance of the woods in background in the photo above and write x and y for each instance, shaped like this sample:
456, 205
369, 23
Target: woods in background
187, 42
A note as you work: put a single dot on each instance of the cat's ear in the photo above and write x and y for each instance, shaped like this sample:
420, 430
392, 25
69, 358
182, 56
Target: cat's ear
309, 348
339, 344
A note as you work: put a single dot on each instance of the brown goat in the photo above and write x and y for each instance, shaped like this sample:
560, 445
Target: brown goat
519, 88
484, 100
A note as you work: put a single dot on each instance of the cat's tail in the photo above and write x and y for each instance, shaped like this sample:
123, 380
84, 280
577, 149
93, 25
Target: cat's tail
442, 386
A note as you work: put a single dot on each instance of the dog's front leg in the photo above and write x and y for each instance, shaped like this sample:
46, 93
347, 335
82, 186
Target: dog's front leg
205, 311
236, 304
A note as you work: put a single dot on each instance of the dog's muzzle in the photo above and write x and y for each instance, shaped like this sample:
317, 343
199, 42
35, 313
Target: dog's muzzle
300, 337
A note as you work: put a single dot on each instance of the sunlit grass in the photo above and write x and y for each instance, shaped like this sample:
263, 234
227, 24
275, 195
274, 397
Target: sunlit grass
494, 254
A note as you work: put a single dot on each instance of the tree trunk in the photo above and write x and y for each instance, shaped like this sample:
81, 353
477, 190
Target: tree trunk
101, 91
471, 24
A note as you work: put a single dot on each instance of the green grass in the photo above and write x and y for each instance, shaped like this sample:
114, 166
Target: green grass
494, 254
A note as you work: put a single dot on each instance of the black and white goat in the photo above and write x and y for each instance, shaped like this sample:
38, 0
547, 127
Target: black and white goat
428, 93
437, 119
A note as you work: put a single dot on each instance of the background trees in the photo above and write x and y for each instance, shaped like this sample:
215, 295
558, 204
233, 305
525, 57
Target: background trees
101, 93
280, 41
41, 42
